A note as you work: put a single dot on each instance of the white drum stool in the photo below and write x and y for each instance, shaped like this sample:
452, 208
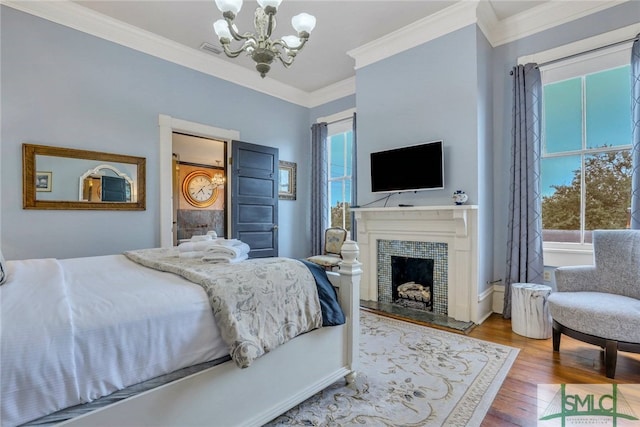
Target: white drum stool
530, 315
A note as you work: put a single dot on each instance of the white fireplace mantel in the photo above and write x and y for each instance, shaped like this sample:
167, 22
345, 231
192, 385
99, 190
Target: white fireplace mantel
455, 225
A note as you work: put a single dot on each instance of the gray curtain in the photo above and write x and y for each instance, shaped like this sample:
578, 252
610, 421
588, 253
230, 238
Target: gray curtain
354, 179
635, 151
524, 241
319, 183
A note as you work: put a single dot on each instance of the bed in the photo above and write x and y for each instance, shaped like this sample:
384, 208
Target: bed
78, 329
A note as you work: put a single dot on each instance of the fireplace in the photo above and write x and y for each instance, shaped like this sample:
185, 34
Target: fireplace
412, 282
401, 262
447, 234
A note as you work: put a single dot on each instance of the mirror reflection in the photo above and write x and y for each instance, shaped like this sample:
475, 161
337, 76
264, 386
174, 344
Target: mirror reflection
106, 183
63, 178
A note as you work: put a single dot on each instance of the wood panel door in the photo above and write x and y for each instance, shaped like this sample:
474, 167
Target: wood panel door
254, 197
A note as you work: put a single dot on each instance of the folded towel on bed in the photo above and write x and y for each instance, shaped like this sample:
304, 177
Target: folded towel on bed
197, 246
191, 254
229, 251
222, 259
201, 238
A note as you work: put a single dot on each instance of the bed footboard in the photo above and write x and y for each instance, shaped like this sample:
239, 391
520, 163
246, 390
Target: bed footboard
276, 382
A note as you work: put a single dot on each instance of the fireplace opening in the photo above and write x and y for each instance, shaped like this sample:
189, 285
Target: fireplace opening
412, 282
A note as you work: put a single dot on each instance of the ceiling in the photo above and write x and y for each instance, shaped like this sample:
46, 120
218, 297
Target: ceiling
341, 26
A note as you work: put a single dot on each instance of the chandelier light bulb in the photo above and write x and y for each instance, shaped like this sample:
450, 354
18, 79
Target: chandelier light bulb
303, 22
232, 6
292, 42
273, 3
222, 29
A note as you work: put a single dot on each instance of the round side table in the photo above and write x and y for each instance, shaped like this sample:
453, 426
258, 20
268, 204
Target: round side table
530, 315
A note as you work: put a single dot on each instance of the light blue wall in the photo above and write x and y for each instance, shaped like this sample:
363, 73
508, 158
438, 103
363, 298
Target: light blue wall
485, 161
423, 94
438, 90
505, 57
65, 88
332, 107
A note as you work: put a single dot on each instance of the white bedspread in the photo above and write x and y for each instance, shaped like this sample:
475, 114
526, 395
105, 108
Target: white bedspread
116, 324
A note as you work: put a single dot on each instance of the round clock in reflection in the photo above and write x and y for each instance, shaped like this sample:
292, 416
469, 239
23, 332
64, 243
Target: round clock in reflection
199, 190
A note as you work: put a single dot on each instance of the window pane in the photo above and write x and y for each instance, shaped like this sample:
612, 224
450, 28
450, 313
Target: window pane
608, 190
349, 142
336, 196
563, 116
347, 191
337, 204
336, 161
561, 199
608, 108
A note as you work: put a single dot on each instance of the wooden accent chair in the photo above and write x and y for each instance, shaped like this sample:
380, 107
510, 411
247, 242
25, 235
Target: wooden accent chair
334, 237
600, 304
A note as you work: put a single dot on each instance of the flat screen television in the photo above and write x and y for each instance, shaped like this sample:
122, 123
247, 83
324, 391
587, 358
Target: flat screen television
412, 168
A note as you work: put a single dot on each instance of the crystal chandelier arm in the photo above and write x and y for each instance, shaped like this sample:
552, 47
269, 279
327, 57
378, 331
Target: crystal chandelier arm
282, 47
285, 54
235, 34
242, 49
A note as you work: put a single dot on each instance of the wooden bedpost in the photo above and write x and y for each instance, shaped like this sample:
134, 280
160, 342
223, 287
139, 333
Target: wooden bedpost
350, 275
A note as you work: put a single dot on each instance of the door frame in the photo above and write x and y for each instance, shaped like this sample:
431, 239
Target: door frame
168, 125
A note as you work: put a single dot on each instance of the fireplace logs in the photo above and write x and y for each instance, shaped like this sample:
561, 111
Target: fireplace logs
415, 292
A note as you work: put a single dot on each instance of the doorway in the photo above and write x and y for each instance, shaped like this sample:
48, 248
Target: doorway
199, 186
167, 127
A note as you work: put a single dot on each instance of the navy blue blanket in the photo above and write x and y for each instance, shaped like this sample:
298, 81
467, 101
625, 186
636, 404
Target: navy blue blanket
332, 314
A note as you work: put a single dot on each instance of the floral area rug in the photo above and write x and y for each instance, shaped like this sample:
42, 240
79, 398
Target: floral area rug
410, 375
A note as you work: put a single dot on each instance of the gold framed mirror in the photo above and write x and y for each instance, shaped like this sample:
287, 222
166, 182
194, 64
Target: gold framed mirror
51, 177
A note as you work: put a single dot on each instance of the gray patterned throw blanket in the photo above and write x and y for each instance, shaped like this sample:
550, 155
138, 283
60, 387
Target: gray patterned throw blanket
258, 304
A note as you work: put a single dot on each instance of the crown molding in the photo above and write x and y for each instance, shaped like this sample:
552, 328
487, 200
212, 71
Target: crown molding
429, 28
544, 17
597, 42
88, 21
332, 92
487, 20
459, 15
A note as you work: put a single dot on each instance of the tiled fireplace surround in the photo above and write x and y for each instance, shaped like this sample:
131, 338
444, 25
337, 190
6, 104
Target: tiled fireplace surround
424, 232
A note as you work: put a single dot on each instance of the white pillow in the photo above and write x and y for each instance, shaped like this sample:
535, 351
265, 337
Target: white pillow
3, 269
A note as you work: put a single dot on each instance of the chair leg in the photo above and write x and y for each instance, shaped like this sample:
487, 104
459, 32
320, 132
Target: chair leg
610, 358
556, 339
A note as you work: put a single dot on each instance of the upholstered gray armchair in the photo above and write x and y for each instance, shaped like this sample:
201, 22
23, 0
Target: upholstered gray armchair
600, 304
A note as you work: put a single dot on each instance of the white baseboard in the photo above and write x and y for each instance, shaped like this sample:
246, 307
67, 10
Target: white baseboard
498, 298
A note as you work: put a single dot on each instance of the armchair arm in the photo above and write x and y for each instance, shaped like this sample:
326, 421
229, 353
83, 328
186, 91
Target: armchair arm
576, 278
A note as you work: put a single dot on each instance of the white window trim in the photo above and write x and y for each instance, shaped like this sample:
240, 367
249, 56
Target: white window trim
338, 123
558, 254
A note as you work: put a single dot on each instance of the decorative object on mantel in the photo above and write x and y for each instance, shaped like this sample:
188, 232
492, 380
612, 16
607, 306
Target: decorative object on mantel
460, 197
259, 46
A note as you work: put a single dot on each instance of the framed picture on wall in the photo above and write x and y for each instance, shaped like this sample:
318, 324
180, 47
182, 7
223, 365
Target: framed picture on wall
287, 180
43, 181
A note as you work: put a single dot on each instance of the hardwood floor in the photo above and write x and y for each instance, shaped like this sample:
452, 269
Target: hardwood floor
576, 363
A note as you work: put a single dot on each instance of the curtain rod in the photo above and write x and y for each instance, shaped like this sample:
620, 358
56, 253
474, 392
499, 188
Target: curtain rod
340, 120
595, 49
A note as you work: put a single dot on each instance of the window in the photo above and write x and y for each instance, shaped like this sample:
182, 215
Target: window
586, 147
340, 155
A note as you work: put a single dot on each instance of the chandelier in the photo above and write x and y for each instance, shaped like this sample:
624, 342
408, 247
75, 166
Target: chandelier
259, 46
218, 180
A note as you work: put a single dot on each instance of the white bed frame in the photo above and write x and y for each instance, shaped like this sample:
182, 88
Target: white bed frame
225, 395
